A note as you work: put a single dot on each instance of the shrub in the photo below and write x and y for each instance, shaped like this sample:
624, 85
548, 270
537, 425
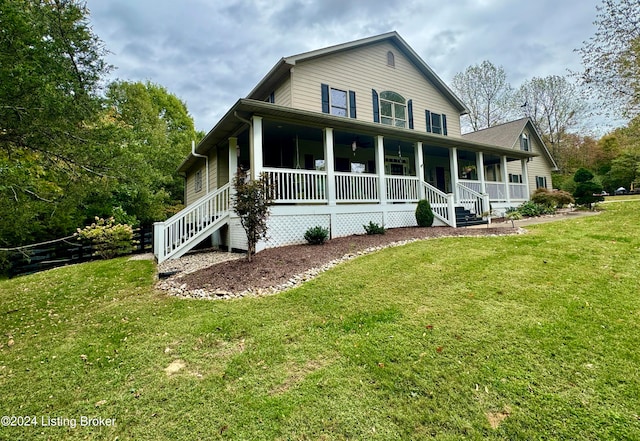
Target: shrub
373, 229
563, 198
551, 199
585, 191
108, 238
424, 214
582, 175
513, 215
251, 203
316, 235
531, 209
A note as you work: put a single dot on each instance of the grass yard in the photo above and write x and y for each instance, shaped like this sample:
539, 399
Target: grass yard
525, 337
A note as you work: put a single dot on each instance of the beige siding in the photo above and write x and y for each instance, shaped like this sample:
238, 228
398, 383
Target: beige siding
537, 166
283, 94
366, 68
190, 192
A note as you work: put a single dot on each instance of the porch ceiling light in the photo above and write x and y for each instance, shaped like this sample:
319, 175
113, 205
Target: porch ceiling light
354, 146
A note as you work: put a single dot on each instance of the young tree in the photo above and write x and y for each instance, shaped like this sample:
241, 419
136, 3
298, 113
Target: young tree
587, 191
554, 106
251, 202
611, 57
486, 92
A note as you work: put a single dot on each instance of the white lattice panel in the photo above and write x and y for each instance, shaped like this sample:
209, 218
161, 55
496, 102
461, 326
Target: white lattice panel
352, 223
289, 230
397, 219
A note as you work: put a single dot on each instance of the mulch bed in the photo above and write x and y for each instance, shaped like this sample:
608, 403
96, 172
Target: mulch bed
275, 266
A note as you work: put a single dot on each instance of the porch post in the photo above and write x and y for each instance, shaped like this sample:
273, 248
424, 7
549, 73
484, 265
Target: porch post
382, 182
525, 176
453, 164
480, 165
255, 152
505, 177
233, 158
420, 168
328, 166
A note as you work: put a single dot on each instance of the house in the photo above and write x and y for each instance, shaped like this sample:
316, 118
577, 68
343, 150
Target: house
349, 134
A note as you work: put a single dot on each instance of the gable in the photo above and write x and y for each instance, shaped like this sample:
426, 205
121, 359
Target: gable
359, 70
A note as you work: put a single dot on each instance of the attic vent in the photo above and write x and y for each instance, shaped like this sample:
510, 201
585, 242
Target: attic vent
391, 59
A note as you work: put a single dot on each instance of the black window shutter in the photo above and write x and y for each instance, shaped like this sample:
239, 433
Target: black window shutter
376, 106
444, 124
427, 115
272, 97
325, 98
410, 111
352, 104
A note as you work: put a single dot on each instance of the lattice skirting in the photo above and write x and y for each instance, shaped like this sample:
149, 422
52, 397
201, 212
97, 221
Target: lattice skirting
397, 219
290, 229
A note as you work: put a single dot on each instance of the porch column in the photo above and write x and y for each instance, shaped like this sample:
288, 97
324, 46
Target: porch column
420, 168
480, 165
505, 177
255, 152
382, 182
525, 176
233, 158
328, 165
453, 164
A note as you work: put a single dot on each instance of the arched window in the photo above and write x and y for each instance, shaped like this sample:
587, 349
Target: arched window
393, 109
391, 59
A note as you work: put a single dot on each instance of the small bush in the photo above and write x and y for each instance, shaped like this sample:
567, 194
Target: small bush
563, 198
316, 235
108, 238
373, 229
551, 199
424, 214
531, 209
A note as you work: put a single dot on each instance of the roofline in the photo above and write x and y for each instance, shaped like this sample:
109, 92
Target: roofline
282, 66
248, 107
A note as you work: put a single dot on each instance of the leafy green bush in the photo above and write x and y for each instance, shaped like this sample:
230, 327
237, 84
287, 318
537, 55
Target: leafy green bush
316, 235
551, 199
563, 198
424, 214
582, 175
531, 209
373, 228
108, 238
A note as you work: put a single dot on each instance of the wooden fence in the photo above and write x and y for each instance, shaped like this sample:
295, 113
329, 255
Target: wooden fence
31, 259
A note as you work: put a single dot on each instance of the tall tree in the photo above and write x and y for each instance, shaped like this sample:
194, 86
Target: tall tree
554, 106
611, 57
50, 70
156, 131
486, 92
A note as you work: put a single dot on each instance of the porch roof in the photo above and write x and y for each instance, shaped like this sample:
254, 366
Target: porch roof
232, 124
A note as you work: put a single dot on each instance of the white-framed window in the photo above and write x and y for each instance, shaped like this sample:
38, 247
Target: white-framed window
515, 179
524, 142
197, 181
338, 102
393, 109
436, 122
541, 182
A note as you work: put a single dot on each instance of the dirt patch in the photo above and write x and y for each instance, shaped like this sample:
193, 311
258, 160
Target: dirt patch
496, 418
174, 367
296, 374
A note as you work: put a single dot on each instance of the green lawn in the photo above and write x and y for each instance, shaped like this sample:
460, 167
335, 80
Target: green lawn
525, 337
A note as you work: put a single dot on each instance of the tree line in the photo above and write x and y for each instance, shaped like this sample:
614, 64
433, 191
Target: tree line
72, 147
561, 107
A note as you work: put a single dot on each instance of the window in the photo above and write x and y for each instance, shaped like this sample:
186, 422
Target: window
524, 142
436, 122
515, 179
391, 59
197, 182
541, 182
338, 102
272, 98
393, 109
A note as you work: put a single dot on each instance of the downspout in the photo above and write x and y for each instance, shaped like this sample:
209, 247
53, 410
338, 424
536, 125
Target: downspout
206, 158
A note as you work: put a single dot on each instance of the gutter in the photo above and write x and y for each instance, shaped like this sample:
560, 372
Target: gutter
206, 158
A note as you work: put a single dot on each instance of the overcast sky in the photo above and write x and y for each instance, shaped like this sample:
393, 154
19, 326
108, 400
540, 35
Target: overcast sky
210, 53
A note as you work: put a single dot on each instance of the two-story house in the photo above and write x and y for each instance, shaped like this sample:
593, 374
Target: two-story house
347, 135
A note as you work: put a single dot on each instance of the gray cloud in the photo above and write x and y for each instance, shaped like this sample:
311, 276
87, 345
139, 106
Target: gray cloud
212, 53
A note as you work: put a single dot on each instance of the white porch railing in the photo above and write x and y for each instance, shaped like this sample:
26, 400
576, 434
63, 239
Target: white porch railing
291, 186
442, 204
472, 185
179, 233
519, 192
356, 187
497, 191
472, 200
402, 188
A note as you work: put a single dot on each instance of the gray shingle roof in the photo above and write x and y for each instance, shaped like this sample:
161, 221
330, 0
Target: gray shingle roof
504, 135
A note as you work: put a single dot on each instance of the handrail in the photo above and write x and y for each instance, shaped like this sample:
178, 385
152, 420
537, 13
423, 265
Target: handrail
471, 200
174, 235
441, 203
